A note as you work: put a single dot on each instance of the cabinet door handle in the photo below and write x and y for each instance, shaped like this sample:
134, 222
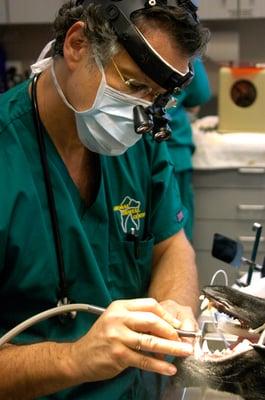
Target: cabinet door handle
250, 239
246, 12
251, 207
251, 170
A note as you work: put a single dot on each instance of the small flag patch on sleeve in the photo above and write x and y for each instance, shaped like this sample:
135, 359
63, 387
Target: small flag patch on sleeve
180, 216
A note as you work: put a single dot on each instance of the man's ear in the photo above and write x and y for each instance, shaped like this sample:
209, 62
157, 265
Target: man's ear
75, 45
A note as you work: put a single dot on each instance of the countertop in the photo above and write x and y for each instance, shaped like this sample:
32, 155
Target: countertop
216, 150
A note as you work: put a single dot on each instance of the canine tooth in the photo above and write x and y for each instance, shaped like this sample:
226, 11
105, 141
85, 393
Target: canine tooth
205, 303
205, 347
198, 352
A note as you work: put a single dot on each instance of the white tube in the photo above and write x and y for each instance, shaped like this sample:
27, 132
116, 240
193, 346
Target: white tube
220, 271
48, 314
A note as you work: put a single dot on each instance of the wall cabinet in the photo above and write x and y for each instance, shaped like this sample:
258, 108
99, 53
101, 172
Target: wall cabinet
251, 8
231, 9
33, 11
218, 9
3, 12
227, 202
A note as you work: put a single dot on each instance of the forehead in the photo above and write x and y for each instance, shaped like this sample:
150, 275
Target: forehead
167, 48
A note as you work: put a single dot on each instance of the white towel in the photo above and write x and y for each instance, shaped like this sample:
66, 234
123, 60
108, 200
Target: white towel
216, 150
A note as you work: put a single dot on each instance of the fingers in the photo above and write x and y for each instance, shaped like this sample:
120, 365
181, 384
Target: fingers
148, 316
182, 313
171, 307
151, 305
123, 335
188, 323
148, 322
147, 342
147, 363
153, 344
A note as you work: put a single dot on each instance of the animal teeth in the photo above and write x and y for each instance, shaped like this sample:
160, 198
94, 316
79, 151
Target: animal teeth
205, 303
198, 352
205, 347
217, 353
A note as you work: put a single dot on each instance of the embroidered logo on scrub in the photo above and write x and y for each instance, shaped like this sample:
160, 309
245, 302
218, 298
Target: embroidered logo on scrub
130, 214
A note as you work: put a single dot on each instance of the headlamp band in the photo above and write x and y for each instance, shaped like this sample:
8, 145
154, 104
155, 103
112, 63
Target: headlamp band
141, 53
144, 56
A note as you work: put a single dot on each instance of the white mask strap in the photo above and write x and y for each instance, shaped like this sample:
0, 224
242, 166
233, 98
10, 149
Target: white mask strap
59, 90
43, 63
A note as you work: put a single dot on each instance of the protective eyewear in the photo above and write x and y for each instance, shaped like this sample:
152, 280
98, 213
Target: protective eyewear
119, 13
133, 86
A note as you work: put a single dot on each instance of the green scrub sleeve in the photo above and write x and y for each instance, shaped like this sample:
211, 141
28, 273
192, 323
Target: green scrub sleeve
199, 91
168, 216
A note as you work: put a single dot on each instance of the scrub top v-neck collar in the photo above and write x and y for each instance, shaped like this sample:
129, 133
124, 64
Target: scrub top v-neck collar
54, 157
83, 209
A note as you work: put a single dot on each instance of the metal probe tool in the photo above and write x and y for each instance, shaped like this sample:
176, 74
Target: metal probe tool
194, 334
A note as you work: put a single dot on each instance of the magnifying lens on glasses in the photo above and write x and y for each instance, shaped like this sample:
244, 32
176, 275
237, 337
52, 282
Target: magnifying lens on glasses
153, 119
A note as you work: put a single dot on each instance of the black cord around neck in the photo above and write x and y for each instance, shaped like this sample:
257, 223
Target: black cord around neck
63, 298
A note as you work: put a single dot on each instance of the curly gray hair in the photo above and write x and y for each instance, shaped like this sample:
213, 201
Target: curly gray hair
189, 37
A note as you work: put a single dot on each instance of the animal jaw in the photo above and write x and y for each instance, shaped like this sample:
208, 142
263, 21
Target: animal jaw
240, 370
242, 374
248, 309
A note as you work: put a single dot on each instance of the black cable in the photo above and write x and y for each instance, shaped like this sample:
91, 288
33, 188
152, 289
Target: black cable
258, 228
50, 196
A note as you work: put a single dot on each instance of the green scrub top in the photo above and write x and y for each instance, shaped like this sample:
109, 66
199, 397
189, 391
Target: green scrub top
137, 190
180, 143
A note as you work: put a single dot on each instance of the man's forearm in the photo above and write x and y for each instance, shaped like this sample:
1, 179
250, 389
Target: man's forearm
27, 372
175, 274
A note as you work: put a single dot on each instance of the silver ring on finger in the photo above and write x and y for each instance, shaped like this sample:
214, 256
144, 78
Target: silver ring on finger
138, 346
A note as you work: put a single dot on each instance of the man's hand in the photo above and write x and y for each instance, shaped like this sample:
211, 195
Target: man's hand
122, 337
184, 316
182, 313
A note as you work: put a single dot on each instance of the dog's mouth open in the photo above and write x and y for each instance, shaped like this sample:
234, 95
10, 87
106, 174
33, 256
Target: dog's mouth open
237, 322
240, 367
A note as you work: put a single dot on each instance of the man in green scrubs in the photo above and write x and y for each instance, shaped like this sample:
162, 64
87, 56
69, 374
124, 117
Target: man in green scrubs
120, 226
180, 144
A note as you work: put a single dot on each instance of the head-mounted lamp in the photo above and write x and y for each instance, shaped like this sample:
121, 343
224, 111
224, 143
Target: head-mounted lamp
119, 14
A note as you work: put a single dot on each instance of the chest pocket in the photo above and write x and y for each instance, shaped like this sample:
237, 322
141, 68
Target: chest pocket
130, 267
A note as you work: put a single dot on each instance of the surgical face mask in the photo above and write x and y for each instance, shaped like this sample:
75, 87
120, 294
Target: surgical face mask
107, 127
